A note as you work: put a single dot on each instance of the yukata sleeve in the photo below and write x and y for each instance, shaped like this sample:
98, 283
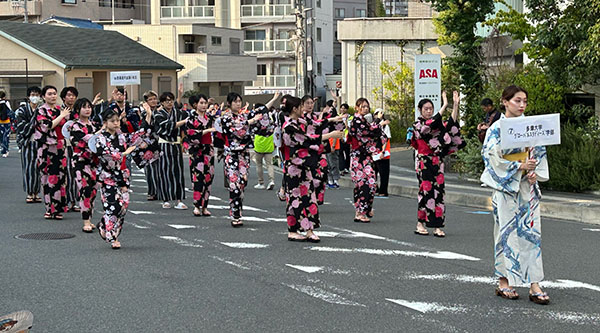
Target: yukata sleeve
542, 170
163, 124
499, 173
25, 126
79, 138
294, 137
193, 133
43, 124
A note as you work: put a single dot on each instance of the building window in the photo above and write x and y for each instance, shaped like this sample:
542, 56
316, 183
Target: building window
337, 63
104, 3
319, 68
318, 34
256, 35
215, 40
261, 69
361, 13
318, 3
340, 12
69, 2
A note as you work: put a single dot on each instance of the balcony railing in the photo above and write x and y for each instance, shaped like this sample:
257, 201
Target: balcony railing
267, 10
187, 11
275, 45
279, 81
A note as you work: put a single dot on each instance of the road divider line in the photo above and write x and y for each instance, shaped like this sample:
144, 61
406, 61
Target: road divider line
307, 269
180, 241
230, 263
237, 245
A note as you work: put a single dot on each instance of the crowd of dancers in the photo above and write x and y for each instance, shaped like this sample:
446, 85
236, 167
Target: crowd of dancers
73, 150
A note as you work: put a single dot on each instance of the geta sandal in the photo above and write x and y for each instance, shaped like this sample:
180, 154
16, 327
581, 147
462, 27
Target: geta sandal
237, 223
504, 293
422, 232
537, 298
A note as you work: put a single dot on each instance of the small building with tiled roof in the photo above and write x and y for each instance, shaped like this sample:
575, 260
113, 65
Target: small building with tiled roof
40, 54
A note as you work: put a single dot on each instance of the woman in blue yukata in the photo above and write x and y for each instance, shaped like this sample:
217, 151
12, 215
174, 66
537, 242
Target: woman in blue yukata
513, 175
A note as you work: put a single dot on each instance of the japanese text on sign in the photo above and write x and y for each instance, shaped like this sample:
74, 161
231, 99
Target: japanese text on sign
521, 132
428, 82
124, 78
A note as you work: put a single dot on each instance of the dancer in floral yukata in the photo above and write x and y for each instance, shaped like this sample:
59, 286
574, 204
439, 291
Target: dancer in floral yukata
84, 161
113, 175
198, 142
301, 157
51, 159
366, 139
433, 140
315, 125
514, 176
238, 127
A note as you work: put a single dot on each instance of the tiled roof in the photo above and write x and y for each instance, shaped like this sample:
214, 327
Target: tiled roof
86, 48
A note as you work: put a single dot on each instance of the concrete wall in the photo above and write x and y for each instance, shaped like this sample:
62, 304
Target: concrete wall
91, 10
389, 28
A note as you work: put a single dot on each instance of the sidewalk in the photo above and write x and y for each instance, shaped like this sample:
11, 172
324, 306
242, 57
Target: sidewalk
560, 205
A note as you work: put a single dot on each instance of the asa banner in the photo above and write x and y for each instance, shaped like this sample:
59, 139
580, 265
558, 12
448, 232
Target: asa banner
428, 80
521, 132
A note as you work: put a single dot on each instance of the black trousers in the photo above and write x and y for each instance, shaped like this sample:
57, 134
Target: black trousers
344, 156
382, 168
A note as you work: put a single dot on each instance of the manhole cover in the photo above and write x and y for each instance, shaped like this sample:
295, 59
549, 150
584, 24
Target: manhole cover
45, 236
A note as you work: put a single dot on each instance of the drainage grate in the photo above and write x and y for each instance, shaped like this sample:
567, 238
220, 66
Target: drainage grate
45, 236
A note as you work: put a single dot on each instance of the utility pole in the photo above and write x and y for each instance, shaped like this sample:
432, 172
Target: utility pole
300, 44
25, 11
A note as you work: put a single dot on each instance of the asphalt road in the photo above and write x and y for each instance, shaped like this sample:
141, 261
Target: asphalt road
179, 273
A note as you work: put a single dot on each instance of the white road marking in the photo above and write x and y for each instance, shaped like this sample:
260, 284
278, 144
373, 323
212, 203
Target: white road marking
253, 219
385, 252
139, 180
137, 225
254, 209
589, 229
214, 198
277, 219
147, 222
558, 284
181, 226
218, 207
230, 263
141, 212
245, 245
322, 294
424, 307
569, 317
180, 241
307, 269
326, 233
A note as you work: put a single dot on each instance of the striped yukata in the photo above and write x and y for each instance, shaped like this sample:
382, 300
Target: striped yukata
516, 209
151, 169
171, 183
25, 116
71, 183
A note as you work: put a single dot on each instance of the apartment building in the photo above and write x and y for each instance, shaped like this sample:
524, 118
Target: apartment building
344, 9
211, 56
268, 28
100, 11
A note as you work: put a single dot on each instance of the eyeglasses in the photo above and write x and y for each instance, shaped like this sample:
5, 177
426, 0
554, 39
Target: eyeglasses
168, 101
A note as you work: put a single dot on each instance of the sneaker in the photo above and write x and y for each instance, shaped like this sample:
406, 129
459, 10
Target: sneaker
5, 155
166, 205
259, 186
336, 185
180, 205
270, 186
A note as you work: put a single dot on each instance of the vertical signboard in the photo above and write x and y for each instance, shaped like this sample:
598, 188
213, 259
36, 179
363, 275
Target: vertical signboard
428, 80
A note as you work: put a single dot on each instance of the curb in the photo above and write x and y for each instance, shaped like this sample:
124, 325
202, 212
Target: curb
576, 212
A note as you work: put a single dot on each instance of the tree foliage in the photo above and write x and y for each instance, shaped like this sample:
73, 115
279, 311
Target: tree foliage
456, 25
560, 36
397, 91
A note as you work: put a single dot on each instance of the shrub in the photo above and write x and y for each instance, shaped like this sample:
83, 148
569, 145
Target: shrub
575, 163
469, 162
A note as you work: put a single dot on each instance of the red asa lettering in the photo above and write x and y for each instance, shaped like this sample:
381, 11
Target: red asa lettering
428, 73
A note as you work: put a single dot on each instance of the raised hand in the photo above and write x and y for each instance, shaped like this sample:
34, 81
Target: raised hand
96, 99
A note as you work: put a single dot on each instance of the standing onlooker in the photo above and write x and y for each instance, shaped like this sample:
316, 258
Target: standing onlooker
344, 152
382, 160
51, 159
514, 176
6, 118
491, 116
25, 116
151, 169
169, 123
264, 145
434, 139
333, 161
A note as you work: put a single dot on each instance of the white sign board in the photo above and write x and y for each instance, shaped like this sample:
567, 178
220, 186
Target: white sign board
428, 80
532, 131
124, 78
